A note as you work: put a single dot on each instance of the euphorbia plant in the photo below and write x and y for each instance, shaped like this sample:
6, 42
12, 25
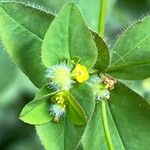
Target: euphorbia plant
82, 102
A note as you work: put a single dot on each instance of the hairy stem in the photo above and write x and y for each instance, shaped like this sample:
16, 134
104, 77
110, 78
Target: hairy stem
101, 29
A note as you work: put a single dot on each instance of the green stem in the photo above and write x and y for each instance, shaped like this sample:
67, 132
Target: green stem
102, 17
106, 126
101, 29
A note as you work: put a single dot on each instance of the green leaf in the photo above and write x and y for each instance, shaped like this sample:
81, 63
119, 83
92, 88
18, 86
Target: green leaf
65, 135
36, 112
21, 32
54, 6
103, 52
95, 131
8, 70
94, 134
67, 38
80, 108
128, 120
75, 112
87, 103
131, 114
90, 11
130, 54
60, 136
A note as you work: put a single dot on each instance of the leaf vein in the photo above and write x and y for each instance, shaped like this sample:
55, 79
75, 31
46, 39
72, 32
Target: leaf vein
122, 57
21, 25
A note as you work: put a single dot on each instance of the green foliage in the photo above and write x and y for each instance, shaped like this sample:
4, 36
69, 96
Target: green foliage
130, 54
103, 52
131, 115
71, 38
7, 70
128, 116
36, 40
22, 40
87, 105
65, 135
94, 135
36, 112
75, 112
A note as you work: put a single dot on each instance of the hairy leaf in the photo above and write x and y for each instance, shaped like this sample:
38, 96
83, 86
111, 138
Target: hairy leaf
8, 70
131, 54
82, 114
37, 111
75, 112
128, 120
131, 114
65, 135
94, 134
103, 52
21, 32
67, 38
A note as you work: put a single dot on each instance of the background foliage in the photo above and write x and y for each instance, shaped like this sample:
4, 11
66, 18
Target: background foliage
16, 90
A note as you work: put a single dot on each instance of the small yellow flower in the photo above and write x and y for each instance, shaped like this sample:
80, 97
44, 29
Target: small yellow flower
59, 98
80, 73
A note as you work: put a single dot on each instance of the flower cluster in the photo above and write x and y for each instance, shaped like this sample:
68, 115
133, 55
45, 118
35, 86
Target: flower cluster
62, 77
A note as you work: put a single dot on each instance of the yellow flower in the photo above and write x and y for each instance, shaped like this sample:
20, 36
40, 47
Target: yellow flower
80, 73
59, 98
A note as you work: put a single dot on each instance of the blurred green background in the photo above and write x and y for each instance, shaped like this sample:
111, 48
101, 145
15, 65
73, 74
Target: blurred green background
15, 88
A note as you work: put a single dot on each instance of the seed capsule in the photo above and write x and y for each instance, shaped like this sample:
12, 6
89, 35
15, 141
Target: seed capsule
58, 111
